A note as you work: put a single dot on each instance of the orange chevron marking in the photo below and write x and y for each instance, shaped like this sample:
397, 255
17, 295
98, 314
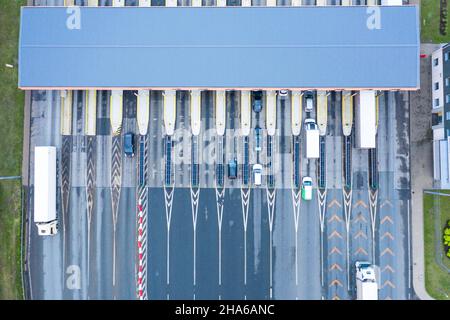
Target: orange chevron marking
335, 266
360, 233
335, 282
386, 202
335, 250
388, 283
334, 217
360, 218
387, 250
360, 203
387, 234
387, 218
334, 234
333, 203
361, 250
388, 268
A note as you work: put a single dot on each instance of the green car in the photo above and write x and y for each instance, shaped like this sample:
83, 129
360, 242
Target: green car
307, 188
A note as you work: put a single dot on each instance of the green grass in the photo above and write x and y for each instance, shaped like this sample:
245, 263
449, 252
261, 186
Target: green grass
429, 15
437, 280
10, 209
11, 133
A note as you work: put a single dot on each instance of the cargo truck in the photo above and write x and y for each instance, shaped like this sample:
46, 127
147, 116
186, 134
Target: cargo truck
365, 119
366, 284
312, 139
45, 190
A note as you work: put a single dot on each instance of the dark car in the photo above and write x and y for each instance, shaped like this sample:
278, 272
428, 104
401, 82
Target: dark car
258, 136
309, 98
128, 144
257, 101
232, 169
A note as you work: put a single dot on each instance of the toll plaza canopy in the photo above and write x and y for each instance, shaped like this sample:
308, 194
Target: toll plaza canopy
332, 47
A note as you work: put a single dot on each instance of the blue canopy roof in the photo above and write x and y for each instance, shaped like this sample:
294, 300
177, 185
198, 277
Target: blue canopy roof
209, 47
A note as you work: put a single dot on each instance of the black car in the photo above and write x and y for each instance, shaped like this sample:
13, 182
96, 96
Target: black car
258, 134
257, 101
128, 144
232, 169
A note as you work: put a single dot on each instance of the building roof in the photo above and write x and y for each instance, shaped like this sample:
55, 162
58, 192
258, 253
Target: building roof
210, 47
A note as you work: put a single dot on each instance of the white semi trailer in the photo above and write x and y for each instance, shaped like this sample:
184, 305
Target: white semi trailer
312, 139
45, 190
365, 122
366, 283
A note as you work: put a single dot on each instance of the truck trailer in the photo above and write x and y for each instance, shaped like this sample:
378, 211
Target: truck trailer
365, 122
45, 190
366, 284
312, 139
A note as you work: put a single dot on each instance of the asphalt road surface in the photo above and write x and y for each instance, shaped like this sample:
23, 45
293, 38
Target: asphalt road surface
237, 242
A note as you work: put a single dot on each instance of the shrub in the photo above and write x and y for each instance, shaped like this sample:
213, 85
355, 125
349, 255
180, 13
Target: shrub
446, 239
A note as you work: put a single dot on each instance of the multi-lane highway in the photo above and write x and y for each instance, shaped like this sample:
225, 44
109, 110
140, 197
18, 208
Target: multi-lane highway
203, 235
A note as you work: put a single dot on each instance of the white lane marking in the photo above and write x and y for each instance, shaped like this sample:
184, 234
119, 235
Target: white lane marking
373, 199
322, 200
219, 203
29, 249
114, 256
245, 198
409, 249
296, 206
348, 215
271, 195
168, 199
195, 197
116, 181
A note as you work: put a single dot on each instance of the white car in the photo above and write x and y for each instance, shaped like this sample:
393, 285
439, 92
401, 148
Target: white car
257, 174
283, 93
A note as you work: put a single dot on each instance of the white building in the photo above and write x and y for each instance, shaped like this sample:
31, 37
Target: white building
440, 120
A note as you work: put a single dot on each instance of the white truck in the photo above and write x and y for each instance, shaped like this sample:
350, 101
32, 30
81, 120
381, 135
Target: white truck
45, 190
366, 283
312, 139
365, 122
